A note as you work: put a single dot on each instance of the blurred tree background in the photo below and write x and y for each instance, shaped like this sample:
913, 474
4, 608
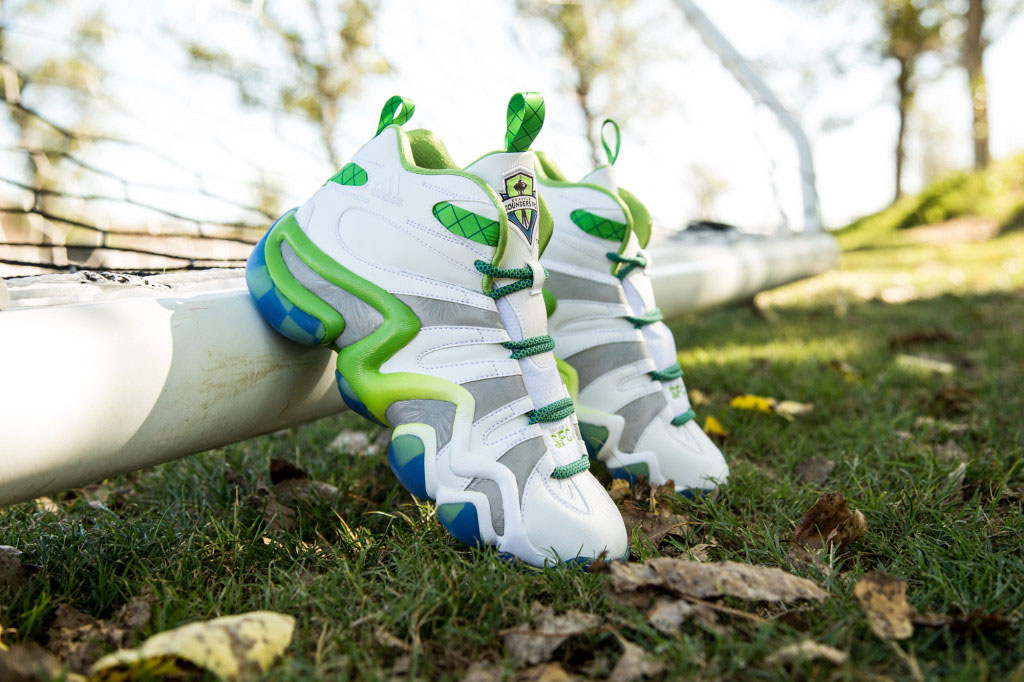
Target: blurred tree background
68, 202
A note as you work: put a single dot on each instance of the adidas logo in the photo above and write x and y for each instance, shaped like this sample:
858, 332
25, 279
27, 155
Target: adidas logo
388, 190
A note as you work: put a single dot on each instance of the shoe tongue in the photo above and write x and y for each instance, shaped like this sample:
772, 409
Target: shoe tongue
511, 175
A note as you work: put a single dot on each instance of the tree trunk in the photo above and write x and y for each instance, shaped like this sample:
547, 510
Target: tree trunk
973, 60
906, 100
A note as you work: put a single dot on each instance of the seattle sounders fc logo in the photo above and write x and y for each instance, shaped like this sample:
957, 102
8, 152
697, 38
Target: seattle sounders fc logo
520, 201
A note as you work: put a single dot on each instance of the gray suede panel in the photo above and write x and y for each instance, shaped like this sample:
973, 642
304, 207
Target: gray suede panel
593, 363
437, 313
638, 415
490, 489
361, 319
490, 394
522, 459
438, 414
574, 288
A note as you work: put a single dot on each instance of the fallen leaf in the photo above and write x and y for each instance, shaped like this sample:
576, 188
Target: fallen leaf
634, 663
814, 470
924, 365
698, 397
45, 504
953, 399
656, 527
849, 373
13, 573
830, 522
955, 482
549, 672
950, 451
790, 409
307, 490
918, 337
232, 647
960, 622
884, 600
807, 650
700, 551
352, 441
713, 579
30, 663
283, 470
753, 402
620, 489
530, 646
714, 428
669, 613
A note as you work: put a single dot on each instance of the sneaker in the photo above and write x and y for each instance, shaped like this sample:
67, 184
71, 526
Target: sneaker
408, 267
634, 411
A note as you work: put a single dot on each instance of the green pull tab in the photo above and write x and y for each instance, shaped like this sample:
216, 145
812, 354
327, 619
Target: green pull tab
398, 110
618, 141
524, 120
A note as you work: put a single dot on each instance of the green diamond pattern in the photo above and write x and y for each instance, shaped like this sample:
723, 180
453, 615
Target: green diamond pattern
467, 224
525, 119
352, 174
398, 110
598, 226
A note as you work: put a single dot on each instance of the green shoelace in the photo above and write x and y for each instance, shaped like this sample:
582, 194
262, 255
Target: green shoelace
672, 373
560, 409
631, 263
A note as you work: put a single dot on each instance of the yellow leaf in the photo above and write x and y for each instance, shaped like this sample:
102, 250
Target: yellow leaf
232, 647
713, 427
791, 408
753, 402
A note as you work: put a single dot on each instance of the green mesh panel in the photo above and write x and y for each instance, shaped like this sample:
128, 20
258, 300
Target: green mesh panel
524, 120
467, 224
598, 226
352, 174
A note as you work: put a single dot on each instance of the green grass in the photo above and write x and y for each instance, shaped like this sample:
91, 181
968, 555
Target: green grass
995, 193
193, 530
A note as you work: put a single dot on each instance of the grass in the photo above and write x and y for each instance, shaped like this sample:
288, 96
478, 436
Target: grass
372, 578
995, 193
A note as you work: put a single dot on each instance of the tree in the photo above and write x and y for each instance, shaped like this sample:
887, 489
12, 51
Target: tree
328, 48
601, 48
911, 29
973, 60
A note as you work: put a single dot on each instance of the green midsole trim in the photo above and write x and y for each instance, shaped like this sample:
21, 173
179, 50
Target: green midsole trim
360, 363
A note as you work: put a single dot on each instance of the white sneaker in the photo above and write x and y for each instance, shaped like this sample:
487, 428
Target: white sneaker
634, 412
410, 268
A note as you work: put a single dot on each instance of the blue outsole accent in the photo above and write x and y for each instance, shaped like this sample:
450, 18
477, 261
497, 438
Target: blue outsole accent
461, 521
283, 315
353, 401
406, 457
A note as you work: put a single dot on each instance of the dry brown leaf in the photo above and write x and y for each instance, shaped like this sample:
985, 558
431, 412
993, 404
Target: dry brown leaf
814, 470
295, 490
830, 522
950, 451
14, 573
700, 552
884, 600
352, 441
807, 650
634, 663
656, 527
698, 397
30, 663
78, 638
704, 580
959, 622
530, 646
549, 672
668, 614
620, 489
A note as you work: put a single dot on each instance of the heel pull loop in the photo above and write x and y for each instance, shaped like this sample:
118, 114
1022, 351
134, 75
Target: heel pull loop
397, 110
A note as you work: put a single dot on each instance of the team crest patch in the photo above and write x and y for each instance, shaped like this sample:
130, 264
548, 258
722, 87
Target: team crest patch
520, 201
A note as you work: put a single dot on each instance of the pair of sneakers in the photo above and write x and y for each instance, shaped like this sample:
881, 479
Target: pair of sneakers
429, 282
